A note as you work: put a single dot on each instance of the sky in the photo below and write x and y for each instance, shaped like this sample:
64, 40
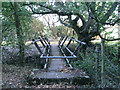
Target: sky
52, 18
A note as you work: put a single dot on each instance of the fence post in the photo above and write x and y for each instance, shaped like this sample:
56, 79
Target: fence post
97, 65
103, 62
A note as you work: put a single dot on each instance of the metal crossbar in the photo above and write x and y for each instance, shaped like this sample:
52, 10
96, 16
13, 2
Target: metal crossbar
61, 44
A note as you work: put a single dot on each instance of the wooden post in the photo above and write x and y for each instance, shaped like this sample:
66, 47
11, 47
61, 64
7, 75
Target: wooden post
97, 65
103, 62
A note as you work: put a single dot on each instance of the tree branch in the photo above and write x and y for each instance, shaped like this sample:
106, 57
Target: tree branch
112, 24
64, 23
109, 12
11, 4
53, 11
105, 38
107, 15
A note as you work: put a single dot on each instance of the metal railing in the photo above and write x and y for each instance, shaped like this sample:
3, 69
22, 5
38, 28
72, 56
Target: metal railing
63, 47
92, 57
46, 48
61, 44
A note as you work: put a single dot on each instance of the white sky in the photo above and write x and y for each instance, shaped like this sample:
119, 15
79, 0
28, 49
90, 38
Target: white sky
52, 18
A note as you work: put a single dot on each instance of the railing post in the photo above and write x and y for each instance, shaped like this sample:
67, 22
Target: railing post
77, 48
69, 42
47, 40
60, 40
41, 41
37, 46
43, 38
64, 40
103, 63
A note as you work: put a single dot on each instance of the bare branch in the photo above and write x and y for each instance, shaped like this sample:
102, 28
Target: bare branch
11, 4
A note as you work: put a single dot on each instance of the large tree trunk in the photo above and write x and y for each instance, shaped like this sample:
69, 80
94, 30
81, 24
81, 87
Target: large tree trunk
19, 33
82, 36
84, 33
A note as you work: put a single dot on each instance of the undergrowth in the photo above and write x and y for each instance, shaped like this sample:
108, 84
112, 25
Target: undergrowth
88, 63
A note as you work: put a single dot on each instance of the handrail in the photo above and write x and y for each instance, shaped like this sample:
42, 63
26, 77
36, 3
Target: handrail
46, 48
77, 41
61, 44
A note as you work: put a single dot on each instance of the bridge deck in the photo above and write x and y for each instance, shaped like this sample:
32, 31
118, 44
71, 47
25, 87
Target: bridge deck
56, 64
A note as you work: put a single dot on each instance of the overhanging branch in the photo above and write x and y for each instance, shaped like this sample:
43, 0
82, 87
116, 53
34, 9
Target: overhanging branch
53, 11
105, 17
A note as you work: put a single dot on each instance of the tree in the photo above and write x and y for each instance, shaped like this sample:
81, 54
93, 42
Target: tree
14, 17
19, 32
90, 14
37, 27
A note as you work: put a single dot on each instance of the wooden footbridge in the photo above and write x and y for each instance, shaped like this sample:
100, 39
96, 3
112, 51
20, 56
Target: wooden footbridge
57, 64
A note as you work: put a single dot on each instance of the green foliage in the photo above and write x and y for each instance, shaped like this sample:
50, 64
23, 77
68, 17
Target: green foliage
8, 23
88, 63
112, 53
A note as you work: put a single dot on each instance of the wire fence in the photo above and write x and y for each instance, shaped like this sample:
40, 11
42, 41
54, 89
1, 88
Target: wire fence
101, 63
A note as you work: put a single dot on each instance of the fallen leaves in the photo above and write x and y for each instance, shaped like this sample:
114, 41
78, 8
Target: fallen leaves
13, 76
